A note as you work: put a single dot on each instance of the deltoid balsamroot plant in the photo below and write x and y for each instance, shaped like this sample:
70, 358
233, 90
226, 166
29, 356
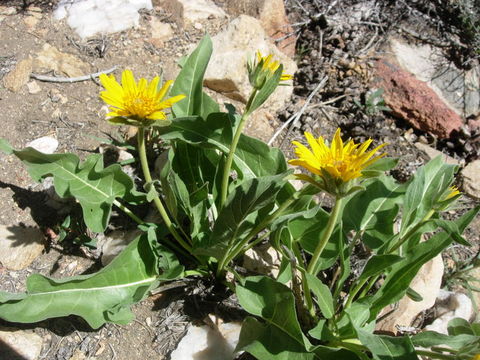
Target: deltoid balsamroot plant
221, 192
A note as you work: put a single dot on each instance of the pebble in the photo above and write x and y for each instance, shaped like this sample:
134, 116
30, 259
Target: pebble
45, 144
19, 246
19, 344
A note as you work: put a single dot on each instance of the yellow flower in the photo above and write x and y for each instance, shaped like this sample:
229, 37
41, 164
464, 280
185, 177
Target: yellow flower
476, 357
341, 161
140, 101
453, 192
263, 68
271, 66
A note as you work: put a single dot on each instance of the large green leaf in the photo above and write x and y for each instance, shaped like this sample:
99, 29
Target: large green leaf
427, 187
428, 339
373, 211
189, 82
252, 158
240, 213
387, 347
102, 297
322, 294
94, 187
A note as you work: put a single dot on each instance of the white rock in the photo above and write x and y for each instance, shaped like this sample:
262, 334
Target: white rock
433, 153
33, 87
262, 259
195, 10
427, 283
471, 179
114, 243
89, 17
45, 144
216, 342
19, 343
19, 246
450, 305
227, 71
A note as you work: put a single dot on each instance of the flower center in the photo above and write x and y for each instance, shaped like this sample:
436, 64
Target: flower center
140, 105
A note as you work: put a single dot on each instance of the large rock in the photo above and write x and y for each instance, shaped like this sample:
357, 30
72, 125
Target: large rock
227, 71
214, 342
414, 101
19, 344
19, 76
19, 246
457, 87
191, 11
471, 179
273, 18
50, 58
427, 283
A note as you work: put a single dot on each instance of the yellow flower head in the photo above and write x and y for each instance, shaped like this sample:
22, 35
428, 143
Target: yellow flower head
476, 357
263, 68
453, 192
140, 101
271, 66
341, 161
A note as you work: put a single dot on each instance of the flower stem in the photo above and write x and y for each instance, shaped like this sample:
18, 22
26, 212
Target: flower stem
236, 250
128, 212
412, 231
233, 148
332, 221
158, 203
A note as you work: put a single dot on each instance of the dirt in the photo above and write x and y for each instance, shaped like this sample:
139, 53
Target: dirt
74, 114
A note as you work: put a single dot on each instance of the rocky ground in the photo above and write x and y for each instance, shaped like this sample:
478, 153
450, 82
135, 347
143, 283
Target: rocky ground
341, 52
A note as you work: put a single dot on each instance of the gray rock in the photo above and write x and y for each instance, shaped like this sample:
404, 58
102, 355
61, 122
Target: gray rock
433, 153
114, 243
19, 343
450, 305
19, 246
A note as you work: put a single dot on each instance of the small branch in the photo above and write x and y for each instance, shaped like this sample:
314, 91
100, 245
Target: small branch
71, 79
296, 116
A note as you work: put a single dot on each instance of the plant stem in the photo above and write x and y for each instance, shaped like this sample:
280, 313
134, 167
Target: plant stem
233, 148
158, 203
308, 302
412, 231
230, 255
128, 212
354, 292
332, 221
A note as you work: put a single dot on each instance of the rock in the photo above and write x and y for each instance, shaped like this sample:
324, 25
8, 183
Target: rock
191, 11
273, 18
458, 88
227, 71
471, 179
414, 101
89, 17
8, 10
18, 344
450, 305
33, 87
215, 342
260, 125
263, 260
50, 58
160, 32
427, 283
475, 273
433, 153
46, 144
19, 246
19, 76
114, 243
31, 21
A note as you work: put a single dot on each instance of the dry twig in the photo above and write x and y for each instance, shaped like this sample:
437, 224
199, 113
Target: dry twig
71, 79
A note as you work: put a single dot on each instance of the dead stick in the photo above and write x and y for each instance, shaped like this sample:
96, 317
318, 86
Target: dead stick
71, 79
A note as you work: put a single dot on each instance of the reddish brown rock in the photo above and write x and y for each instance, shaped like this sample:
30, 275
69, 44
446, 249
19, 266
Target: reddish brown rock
273, 18
414, 101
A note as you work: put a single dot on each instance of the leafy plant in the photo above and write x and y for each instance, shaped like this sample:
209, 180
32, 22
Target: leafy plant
220, 192
374, 102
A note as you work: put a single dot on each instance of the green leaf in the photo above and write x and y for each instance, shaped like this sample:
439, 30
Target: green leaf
240, 213
253, 157
189, 82
402, 273
322, 294
431, 338
377, 264
99, 298
94, 187
413, 295
427, 187
387, 347
374, 210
